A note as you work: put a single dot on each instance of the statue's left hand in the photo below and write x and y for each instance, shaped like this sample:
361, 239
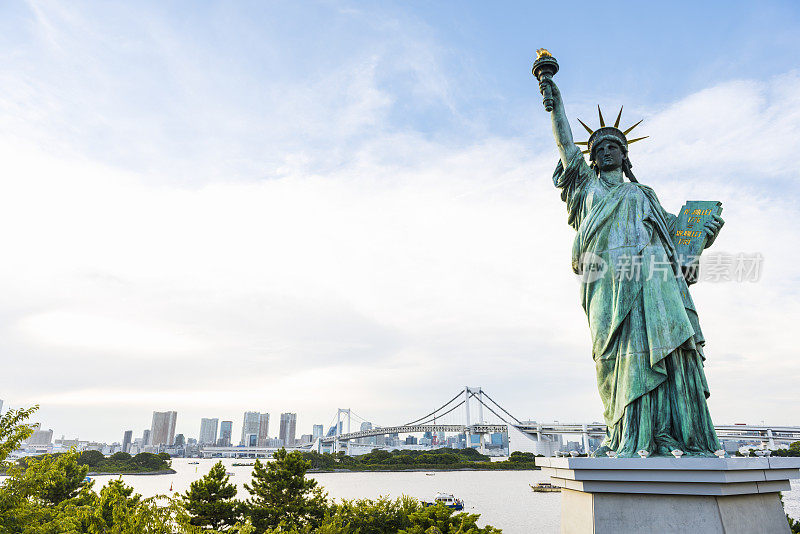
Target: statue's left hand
712, 228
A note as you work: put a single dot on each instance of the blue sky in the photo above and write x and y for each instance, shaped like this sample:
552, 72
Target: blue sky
352, 202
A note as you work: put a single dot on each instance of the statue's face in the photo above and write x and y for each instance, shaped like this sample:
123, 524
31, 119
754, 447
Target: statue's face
608, 155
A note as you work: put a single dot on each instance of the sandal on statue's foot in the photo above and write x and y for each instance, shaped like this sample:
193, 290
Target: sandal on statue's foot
601, 452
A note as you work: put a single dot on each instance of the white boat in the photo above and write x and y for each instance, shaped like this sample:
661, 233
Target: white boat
447, 499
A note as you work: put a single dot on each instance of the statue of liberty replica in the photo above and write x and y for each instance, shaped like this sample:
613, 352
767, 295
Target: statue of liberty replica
647, 344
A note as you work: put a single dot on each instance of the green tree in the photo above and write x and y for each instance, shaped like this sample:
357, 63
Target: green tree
49, 495
49, 492
282, 496
210, 501
794, 526
49, 478
116, 502
149, 461
91, 458
120, 456
441, 520
380, 516
13, 430
320, 461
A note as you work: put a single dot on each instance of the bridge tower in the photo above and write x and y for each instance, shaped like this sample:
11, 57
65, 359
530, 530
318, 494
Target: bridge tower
477, 392
338, 431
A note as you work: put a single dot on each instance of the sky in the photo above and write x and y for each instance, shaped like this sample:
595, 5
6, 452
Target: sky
216, 207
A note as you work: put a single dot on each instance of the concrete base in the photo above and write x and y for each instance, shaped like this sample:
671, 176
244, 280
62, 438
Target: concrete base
619, 513
666, 495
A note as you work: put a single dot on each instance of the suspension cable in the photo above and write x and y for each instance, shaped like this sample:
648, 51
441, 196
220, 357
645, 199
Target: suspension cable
436, 410
494, 412
442, 415
495, 403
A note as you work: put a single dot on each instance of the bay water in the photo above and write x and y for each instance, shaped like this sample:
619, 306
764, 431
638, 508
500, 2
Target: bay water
503, 499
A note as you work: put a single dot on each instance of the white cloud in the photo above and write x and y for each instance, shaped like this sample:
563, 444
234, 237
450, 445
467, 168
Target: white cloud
374, 268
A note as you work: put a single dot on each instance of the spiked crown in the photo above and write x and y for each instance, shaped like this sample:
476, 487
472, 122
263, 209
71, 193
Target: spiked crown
608, 132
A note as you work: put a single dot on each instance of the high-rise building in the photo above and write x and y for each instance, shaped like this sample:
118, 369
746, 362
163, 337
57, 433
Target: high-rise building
180, 440
208, 431
126, 441
263, 429
288, 428
225, 433
250, 423
146, 438
317, 431
40, 437
162, 431
366, 425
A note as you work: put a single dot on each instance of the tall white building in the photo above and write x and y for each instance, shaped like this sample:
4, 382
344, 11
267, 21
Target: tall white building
317, 431
250, 425
162, 431
40, 437
263, 429
288, 428
208, 431
126, 441
225, 434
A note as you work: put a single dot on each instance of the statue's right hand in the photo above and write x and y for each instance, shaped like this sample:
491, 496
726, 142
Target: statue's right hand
553, 87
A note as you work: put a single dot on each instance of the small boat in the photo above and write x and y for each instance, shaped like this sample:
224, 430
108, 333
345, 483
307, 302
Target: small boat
544, 487
446, 499
230, 473
237, 464
193, 463
430, 474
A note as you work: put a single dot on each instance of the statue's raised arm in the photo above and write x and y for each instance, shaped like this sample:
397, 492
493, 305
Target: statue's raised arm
544, 68
561, 129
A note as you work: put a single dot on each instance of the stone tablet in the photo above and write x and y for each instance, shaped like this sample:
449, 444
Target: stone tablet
690, 234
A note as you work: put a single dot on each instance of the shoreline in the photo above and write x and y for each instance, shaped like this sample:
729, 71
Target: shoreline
314, 471
103, 473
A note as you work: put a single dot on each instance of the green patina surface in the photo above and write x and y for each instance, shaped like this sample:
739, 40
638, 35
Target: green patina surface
647, 344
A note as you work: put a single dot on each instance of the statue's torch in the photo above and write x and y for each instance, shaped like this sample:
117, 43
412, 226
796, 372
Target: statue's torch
545, 66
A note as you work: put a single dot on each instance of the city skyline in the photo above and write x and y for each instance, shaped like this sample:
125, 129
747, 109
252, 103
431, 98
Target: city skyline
266, 205
588, 434
167, 422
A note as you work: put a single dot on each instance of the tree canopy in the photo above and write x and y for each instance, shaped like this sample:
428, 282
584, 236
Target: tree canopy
13, 429
211, 500
281, 495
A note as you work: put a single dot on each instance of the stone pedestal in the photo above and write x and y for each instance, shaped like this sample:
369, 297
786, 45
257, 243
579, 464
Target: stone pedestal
670, 495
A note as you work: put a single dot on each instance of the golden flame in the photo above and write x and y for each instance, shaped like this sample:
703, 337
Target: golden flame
543, 52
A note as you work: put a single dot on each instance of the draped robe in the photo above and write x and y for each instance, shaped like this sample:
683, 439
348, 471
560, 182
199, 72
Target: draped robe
646, 339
